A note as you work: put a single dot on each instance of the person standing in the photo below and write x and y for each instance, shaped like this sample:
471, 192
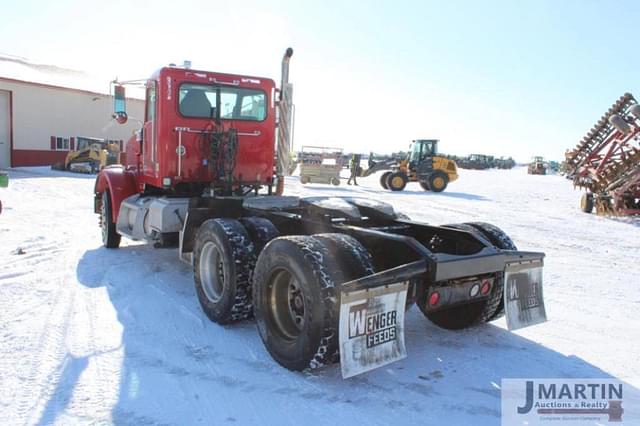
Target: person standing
353, 166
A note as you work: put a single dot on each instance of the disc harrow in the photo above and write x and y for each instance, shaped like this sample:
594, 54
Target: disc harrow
606, 162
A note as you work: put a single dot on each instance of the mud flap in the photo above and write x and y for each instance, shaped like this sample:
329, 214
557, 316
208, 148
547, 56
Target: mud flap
372, 328
523, 300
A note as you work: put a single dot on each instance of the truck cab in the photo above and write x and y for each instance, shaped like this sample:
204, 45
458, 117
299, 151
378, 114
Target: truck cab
195, 121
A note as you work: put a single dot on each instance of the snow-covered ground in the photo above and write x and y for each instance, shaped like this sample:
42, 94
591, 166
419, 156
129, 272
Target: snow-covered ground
90, 335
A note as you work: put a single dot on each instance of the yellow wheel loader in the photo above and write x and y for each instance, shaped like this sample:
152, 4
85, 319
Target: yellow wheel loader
423, 165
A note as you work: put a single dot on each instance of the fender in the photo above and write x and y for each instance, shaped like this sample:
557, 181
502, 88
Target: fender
119, 182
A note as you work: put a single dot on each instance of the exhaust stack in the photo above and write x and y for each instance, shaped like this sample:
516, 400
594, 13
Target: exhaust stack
285, 128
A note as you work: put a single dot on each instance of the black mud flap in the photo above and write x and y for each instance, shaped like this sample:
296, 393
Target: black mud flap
523, 300
372, 327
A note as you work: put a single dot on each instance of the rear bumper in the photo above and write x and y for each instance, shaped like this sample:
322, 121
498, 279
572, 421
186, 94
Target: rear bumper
442, 267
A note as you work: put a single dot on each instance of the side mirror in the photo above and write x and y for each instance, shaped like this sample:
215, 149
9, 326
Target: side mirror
119, 104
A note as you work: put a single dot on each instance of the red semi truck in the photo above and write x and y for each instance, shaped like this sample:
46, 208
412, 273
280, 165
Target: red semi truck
326, 278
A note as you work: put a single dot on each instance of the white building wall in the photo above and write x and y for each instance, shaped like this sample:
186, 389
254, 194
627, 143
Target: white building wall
39, 112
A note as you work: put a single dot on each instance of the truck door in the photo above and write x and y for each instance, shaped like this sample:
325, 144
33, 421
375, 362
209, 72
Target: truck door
149, 134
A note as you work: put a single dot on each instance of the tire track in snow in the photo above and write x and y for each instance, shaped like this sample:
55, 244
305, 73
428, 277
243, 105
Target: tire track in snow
45, 359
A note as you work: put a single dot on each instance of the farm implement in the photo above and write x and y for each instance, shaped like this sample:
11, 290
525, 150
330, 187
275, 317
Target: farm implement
606, 162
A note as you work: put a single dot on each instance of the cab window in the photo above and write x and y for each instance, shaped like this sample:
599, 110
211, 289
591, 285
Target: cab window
200, 100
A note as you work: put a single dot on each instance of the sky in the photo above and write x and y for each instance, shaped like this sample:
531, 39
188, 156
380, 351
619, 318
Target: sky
505, 78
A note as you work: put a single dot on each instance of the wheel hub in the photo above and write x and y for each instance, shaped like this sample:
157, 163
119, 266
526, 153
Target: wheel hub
212, 272
286, 304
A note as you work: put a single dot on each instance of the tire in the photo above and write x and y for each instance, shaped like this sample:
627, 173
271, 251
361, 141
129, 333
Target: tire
438, 181
586, 202
110, 238
335, 181
297, 300
464, 316
383, 179
397, 181
304, 180
353, 259
223, 261
425, 185
502, 241
260, 230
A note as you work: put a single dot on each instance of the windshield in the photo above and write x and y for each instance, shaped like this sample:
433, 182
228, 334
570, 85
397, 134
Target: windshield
422, 149
199, 101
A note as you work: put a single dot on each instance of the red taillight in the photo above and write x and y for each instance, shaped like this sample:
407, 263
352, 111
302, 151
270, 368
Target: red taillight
434, 298
486, 287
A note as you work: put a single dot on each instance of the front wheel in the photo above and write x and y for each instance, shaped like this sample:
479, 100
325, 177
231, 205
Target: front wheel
397, 181
110, 238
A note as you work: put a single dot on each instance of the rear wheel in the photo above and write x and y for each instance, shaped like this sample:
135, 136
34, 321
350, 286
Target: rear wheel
464, 316
383, 179
304, 179
260, 230
586, 202
397, 181
353, 259
297, 299
224, 258
110, 238
335, 181
438, 181
501, 240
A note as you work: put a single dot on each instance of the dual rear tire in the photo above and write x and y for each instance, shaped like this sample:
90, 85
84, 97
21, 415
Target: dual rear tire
291, 287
